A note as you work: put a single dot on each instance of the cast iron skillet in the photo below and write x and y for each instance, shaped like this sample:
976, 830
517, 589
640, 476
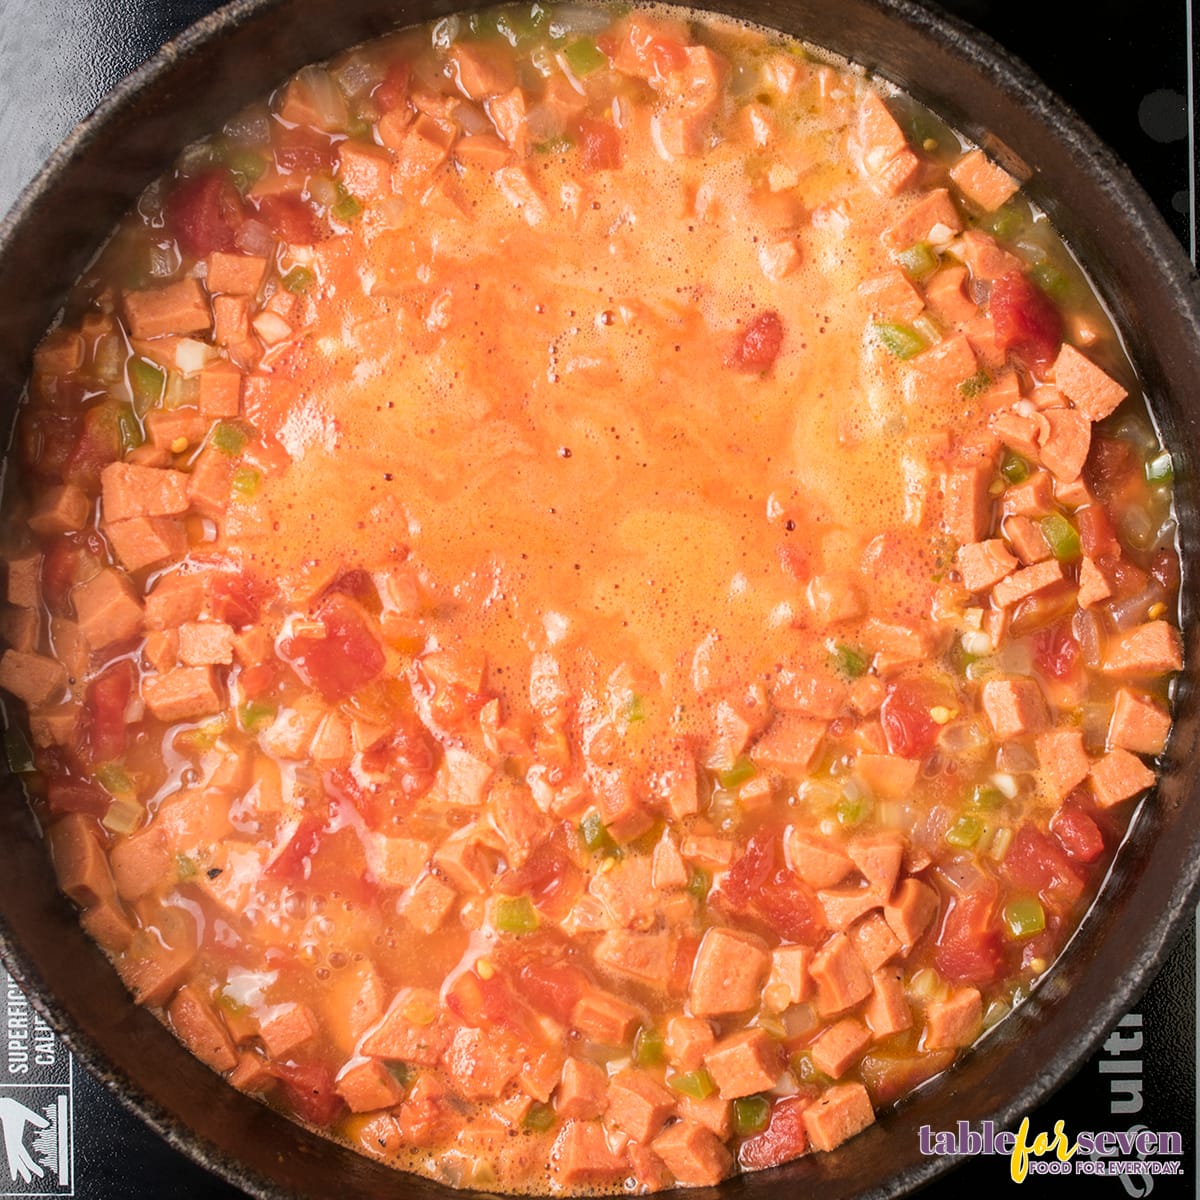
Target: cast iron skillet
237, 55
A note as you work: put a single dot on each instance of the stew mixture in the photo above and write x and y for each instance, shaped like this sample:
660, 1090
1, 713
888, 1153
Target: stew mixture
591, 604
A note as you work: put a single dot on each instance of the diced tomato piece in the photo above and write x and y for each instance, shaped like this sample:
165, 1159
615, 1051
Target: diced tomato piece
483, 1002
1096, 532
599, 145
548, 877
310, 1091
553, 988
967, 946
1027, 322
408, 757
236, 599
104, 710
1077, 833
257, 680
760, 882
758, 345
301, 150
47, 439
1112, 468
796, 561
293, 863
783, 1139
905, 715
1035, 863
290, 218
393, 91
1055, 650
205, 213
1164, 567
98, 444
347, 657
60, 572
65, 794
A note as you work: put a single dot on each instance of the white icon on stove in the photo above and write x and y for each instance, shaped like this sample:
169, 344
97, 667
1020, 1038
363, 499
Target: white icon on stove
50, 1142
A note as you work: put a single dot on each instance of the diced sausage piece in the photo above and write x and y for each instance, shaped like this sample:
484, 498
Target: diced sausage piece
23, 587
420, 148
482, 70
833, 599
1065, 445
693, 1154
909, 913
428, 903
984, 255
166, 427
637, 1104
1150, 649
789, 981
1022, 432
667, 868
286, 1027
841, 1112
840, 1047
892, 295
946, 296
1094, 583
368, 1085
152, 972
107, 609
1063, 760
816, 693
175, 598
251, 1073
1138, 724
141, 862
177, 308
231, 318
841, 979
843, 906
522, 193
583, 1091
953, 1022
1015, 706
32, 677
981, 181
59, 353
408, 1032
60, 509
208, 485
1028, 582
144, 541
948, 364
874, 940
878, 857
899, 174
1026, 538
879, 133
789, 744
200, 1028
205, 643
933, 218
235, 274
132, 491
510, 120
79, 860
364, 171
887, 1011
183, 694
887, 776
580, 1156
1117, 776
688, 1040
639, 956
1032, 498
818, 862
983, 564
482, 150
779, 259
220, 392
1093, 392
605, 1018
107, 924
728, 972
481, 1063
744, 1063
712, 1112
19, 628
967, 503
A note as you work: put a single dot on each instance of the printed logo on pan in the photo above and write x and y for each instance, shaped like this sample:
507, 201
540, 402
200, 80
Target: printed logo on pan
36, 1103
1133, 1152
